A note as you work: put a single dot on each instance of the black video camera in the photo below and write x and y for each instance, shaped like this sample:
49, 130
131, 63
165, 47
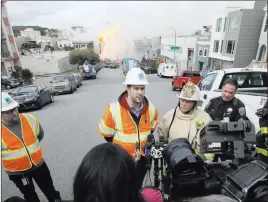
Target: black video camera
228, 140
187, 172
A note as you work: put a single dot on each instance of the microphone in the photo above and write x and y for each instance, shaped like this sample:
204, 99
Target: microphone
149, 144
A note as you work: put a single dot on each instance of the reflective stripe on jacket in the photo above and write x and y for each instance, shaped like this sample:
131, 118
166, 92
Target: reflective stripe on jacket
118, 123
18, 155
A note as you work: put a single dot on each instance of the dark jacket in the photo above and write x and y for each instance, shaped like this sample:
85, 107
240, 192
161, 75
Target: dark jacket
217, 109
262, 135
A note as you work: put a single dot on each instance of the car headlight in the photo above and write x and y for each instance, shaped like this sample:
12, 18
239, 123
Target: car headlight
30, 97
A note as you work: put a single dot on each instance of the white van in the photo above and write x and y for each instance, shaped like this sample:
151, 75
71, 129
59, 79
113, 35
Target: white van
167, 70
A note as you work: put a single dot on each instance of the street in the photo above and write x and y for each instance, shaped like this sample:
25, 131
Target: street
70, 125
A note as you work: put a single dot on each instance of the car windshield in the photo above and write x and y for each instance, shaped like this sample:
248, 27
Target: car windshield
59, 78
28, 89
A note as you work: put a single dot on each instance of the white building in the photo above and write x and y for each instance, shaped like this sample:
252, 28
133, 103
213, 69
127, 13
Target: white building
31, 33
262, 49
82, 45
64, 43
185, 56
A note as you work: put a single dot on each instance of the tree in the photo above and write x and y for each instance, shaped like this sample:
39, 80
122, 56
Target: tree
27, 76
80, 56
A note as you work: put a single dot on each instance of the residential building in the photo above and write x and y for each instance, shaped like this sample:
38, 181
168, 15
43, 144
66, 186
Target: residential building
202, 54
9, 50
234, 39
206, 31
82, 45
154, 50
31, 33
64, 43
184, 56
262, 49
139, 49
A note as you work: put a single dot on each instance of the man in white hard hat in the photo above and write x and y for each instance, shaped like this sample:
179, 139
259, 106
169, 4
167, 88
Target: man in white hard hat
128, 121
22, 157
187, 119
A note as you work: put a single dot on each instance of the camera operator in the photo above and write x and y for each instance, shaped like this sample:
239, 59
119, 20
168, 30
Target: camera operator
262, 135
218, 107
187, 119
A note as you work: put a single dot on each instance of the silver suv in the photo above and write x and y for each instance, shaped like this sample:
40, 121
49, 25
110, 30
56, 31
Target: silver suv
63, 84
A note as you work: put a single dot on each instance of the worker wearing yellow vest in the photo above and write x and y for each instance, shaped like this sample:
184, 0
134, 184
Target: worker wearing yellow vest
131, 119
187, 119
22, 156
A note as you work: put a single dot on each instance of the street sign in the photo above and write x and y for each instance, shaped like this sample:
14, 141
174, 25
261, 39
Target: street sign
175, 48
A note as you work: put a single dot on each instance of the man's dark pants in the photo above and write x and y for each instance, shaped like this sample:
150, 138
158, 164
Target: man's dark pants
43, 179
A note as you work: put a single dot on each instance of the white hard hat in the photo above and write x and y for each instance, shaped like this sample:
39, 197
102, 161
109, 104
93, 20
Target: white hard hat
8, 102
190, 92
136, 76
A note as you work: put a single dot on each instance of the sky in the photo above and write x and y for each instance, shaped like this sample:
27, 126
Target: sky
136, 19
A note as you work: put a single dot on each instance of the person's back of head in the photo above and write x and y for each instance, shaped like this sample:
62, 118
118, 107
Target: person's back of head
106, 174
213, 198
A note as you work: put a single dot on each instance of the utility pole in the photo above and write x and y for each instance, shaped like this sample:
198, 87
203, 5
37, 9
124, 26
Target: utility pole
175, 41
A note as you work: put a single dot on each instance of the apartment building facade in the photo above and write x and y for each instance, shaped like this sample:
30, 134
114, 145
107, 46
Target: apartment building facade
31, 33
262, 49
185, 56
202, 55
9, 51
234, 39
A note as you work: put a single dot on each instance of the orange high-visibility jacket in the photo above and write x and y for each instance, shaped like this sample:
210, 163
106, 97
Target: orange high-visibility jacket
19, 155
118, 123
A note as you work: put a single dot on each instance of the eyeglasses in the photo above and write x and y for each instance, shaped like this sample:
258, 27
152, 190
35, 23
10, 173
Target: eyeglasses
10, 112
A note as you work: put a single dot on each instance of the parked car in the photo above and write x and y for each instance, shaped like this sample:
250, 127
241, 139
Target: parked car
76, 82
63, 84
80, 80
179, 81
9, 82
32, 96
150, 70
